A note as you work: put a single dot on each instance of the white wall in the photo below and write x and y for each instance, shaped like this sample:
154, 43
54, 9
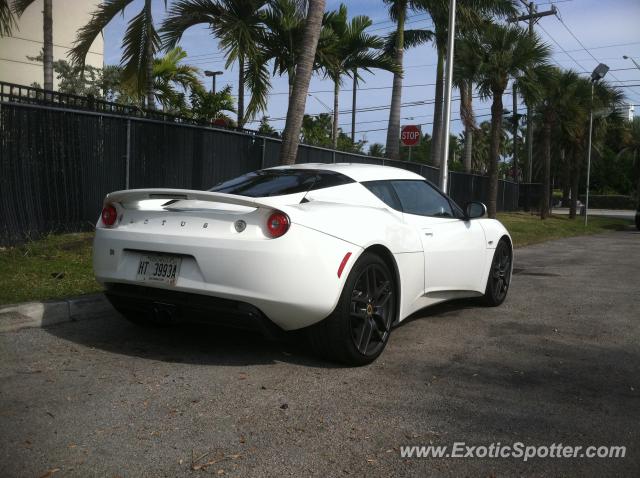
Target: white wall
26, 40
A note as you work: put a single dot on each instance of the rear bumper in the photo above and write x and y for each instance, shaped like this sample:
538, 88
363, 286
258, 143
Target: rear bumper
173, 306
292, 280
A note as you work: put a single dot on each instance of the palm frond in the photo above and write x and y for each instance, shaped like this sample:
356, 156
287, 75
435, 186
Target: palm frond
412, 39
135, 54
19, 6
7, 20
184, 14
258, 80
105, 12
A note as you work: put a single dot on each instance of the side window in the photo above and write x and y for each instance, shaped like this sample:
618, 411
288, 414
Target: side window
420, 198
384, 191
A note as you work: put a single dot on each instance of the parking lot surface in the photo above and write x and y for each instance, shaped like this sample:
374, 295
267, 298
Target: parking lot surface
559, 362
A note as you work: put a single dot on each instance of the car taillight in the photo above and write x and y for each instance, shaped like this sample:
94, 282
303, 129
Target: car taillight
109, 215
277, 224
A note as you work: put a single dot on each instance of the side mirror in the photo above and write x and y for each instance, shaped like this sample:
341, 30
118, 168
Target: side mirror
475, 209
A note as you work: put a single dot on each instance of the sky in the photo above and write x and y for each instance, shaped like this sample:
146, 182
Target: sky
585, 33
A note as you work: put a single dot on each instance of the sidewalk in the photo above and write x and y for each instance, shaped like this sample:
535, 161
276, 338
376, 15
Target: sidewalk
44, 313
614, 213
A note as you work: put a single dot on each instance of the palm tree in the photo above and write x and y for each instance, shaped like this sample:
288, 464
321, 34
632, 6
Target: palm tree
238, 26
377, 150
19, 7
396, 44
464, 75
603, 102
284, 21
208, 106
504, 52
304, 68
470, 15
7, 20
558, 106
170, 76
631, 145
139, 45
351, 49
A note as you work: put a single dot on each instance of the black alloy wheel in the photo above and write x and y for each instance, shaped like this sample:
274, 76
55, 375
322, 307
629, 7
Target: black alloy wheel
358, 329
371, 314
499, 275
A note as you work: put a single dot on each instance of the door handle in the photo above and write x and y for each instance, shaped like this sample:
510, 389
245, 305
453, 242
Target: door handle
428, 233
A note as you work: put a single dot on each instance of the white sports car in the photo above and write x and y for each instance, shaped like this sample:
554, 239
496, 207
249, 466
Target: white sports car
344, 250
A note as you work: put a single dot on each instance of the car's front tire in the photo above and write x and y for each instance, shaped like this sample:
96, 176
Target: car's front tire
358, 330
499, 274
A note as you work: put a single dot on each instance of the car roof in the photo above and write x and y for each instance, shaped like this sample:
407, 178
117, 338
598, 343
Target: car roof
357, 171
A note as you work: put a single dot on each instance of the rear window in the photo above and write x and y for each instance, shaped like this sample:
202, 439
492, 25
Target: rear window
279, 182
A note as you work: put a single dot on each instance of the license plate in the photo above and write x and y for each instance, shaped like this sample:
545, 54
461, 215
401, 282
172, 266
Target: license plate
159, 268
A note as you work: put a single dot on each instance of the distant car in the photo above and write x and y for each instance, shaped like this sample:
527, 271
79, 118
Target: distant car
344, 250
638, 218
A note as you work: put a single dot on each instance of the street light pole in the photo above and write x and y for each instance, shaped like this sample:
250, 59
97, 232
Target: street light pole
444, 165
213, 75
598, 74
634, 61
586, 201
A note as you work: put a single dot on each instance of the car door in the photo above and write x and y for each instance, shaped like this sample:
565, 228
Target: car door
454, 249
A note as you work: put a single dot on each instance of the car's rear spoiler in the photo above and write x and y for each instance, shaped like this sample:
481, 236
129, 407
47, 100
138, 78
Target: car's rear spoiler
134, 195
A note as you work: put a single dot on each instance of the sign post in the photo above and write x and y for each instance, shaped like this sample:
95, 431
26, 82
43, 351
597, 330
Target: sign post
410, 136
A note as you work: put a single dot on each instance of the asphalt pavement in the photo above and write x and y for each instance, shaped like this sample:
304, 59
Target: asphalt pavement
559, 362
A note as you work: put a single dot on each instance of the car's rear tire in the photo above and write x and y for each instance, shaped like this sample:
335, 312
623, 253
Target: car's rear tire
499, 274
358, 330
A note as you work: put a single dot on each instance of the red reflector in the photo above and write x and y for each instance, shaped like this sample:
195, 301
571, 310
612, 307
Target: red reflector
343, 263
109, 215
277, 224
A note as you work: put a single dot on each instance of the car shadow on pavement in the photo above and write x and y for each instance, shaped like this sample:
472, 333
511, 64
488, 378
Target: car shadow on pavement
192, 343
444, 309
203, 344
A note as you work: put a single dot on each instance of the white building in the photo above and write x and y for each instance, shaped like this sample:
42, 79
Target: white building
26, 41
627, 111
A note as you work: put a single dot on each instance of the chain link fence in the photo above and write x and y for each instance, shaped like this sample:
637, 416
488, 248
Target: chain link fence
61, 154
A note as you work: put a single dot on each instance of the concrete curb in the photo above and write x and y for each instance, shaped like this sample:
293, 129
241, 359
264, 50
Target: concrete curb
42, 314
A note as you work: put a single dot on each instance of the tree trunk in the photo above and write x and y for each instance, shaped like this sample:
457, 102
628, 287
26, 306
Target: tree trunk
392, 149
566, 178
575, 181
295, 111
148, 87
546, 181
353, 106
336, 114
241, 91
291, 76
494, 152
436, 132
466, 107
47, 27
468, 148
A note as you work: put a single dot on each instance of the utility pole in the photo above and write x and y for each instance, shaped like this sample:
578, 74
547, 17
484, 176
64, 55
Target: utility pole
531, 17
353, 105
516, 119
444, 165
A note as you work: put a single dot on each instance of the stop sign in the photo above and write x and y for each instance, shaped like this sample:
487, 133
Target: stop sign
410, 135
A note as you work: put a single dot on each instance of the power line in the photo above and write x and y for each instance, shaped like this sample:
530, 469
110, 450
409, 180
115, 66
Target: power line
410, 118
585, 48
421, 124
369, 109
562, 49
